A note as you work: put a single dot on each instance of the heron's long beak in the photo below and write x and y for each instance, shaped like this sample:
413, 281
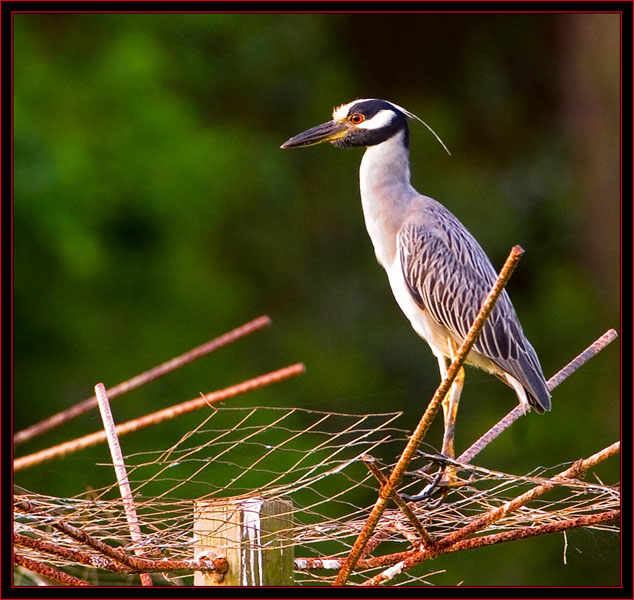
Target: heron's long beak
326, 132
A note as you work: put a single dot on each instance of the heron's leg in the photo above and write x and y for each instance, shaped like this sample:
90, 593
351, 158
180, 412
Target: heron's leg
450, 409
447, 406
447, 475
442, 366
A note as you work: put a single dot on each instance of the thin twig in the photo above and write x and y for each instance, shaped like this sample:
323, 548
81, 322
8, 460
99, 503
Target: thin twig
427, 418
469, 454
440, 546
48, 571
145, 377
122, 475
157, 417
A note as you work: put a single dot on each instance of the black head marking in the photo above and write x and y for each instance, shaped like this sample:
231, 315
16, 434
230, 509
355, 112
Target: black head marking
360, 136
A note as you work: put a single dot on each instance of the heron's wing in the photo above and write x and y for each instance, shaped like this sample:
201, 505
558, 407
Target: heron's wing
449, 275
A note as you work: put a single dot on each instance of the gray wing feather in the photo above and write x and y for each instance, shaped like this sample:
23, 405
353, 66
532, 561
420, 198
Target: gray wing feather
449, 275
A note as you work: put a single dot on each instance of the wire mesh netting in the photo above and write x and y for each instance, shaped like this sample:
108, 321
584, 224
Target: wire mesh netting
310, 460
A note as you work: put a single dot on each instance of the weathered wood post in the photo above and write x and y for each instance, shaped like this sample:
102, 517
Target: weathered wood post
254, 535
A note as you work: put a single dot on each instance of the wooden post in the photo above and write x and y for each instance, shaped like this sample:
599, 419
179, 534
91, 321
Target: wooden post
254, 535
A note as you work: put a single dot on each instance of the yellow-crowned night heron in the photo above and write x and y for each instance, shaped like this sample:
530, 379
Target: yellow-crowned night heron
439, 273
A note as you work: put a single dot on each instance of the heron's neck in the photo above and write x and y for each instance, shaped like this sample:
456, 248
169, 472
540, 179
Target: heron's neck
385, 165
385, 193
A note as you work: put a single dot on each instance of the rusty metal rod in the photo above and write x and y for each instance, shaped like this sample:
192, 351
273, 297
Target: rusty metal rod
49, 572
370, 463
70, 555
157, 417
576, 470
122, 476
103, 561
141, 379
470, 453
386, 560
496, 538
427, 418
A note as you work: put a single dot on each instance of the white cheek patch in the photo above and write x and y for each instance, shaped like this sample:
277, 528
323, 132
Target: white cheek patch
380, 119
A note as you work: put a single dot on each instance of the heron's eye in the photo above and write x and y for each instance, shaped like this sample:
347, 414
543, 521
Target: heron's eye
357, 118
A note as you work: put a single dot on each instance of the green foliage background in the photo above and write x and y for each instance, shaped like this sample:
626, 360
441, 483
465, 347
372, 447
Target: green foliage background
154, 210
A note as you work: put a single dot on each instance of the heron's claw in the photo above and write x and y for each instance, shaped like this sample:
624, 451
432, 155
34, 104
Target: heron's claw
428, 490
439, 480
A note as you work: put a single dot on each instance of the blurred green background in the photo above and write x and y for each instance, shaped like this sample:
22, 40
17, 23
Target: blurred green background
154, 210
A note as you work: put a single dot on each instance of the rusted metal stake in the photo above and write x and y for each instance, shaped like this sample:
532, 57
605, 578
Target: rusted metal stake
122, 475
157, 417
419, 433
440, 546
506, 421
124, 563
577, 470
386, 560
141, 379
136, 564
47, 571
497, 538
370, 463
69, 554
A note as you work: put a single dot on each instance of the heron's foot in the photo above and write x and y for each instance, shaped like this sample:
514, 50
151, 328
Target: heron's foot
440, 482
429, 491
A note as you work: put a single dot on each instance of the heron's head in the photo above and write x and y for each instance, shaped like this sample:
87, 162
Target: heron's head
358, 123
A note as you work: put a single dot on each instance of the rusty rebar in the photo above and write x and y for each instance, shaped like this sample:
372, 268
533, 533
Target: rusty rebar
576, 470
427, 418
535, 530
470, 453
141, 379
69, 554
386, 560
592, 350
370, 463
49, 572
398, 565
158, 417
136, 564
122, 475
117, 554
101, 561
373, 543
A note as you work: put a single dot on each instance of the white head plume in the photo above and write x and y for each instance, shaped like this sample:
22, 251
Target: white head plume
413, 117
341, 112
